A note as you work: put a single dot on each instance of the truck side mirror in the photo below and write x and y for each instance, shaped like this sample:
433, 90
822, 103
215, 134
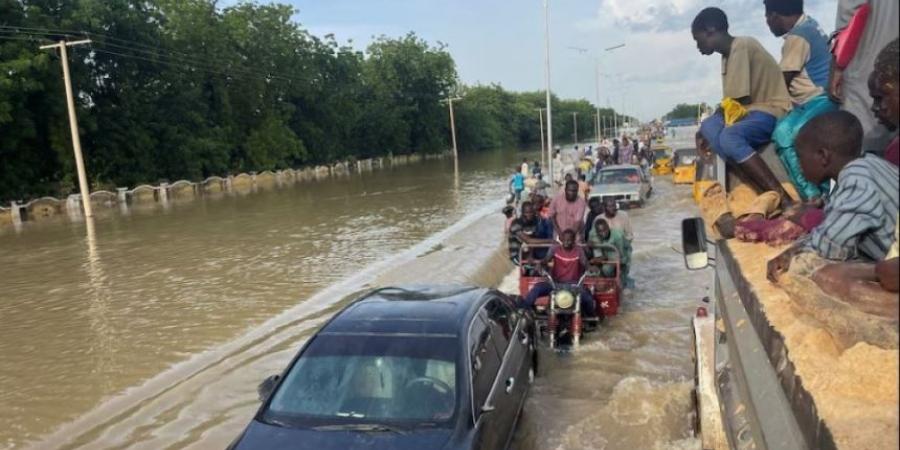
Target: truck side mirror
693, 242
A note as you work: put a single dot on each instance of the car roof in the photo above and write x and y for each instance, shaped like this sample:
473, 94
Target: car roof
620, 166
420, 310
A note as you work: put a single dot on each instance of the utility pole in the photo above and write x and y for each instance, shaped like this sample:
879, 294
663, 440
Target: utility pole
575, 126
541, 122
73, 122
547, 88
452, 126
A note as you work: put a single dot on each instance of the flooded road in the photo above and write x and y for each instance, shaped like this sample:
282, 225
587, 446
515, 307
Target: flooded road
102, 321
629, 385
154, 334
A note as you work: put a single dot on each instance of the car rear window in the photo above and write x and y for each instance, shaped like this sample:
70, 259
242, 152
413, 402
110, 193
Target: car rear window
366, 378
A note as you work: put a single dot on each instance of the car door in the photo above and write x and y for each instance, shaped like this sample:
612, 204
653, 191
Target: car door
512, 382
484, 365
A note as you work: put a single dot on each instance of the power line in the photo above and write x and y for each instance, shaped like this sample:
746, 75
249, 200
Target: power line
160, 56
186, 61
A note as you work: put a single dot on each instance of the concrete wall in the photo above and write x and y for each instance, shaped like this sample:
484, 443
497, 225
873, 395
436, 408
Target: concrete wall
184, 190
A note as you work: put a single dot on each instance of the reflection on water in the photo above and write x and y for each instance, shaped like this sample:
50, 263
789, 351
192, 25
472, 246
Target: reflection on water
93, 308
629, 385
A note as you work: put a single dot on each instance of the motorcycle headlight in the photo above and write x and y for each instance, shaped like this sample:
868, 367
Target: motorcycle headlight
564, 299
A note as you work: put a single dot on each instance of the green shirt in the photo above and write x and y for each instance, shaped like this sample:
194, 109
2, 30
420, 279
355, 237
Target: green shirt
615, 239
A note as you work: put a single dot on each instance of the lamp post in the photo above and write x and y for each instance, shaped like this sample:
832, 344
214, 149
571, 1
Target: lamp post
541, 123
575, 127
547, 87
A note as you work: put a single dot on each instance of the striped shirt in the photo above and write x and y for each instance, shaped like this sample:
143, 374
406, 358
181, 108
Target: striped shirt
861, 213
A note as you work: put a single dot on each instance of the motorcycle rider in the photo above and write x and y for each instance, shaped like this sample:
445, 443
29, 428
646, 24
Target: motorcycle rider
569, 264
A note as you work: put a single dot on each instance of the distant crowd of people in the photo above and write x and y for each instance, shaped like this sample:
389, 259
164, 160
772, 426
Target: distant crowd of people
831, 108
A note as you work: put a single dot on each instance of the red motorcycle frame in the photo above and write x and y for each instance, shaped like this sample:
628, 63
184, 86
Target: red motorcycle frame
607, 292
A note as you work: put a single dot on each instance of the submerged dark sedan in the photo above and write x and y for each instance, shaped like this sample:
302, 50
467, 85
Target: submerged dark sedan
420, 368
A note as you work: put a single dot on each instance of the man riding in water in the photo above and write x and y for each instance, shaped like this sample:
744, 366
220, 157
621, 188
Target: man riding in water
569, 262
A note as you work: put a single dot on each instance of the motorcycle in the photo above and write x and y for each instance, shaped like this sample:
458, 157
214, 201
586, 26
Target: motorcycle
564, 312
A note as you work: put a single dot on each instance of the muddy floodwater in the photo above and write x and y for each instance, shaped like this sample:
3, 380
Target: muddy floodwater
151, 331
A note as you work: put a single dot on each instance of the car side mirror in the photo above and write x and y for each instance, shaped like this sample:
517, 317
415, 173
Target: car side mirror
693, 243
264, 390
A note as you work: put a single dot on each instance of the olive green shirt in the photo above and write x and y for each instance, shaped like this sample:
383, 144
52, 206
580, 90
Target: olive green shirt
750, 71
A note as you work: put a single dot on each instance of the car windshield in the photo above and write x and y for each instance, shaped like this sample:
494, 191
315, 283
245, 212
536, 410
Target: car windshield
617, 176
660, 154
360, 379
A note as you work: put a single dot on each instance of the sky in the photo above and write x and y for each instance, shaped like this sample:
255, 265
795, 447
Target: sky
502, 41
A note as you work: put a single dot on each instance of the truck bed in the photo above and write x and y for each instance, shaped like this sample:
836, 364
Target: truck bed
839, 397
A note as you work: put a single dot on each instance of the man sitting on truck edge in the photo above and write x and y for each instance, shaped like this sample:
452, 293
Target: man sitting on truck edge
752, 78
805, 60
861, 212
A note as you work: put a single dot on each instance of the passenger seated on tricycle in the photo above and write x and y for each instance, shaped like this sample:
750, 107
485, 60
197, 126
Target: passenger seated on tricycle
528, 229
607, 249
569, 263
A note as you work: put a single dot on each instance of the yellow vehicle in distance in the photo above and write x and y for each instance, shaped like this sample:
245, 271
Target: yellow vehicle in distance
662, 164
704, 178
683, 161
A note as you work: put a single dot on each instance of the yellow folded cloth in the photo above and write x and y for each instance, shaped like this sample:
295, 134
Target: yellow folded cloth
733, 111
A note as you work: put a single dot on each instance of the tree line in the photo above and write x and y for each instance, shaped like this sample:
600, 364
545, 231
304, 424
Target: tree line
172, 89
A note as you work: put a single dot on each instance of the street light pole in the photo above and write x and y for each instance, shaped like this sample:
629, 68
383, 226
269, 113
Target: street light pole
73, 122
541, 122
575, 126
547, 88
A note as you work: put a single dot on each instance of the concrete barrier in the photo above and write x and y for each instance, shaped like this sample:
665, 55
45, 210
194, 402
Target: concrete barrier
145, 195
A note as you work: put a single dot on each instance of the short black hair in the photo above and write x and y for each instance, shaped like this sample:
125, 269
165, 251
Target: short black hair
567, 231
526, 204
711, 18
571, 182
594, 201
838, 131
784, 7
887, 62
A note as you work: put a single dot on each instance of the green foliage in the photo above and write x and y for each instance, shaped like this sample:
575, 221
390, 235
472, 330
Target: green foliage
174, 89
685, 111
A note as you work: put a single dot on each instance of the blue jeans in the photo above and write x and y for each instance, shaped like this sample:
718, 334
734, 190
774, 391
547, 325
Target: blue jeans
737, 142
786, 132
588, 306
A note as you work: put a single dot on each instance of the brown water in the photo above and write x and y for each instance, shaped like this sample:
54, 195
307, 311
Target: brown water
152, 331
89, 314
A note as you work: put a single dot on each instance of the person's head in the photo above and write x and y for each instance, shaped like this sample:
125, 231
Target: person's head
827, 143
527, 211
624, 140
537, 200
884, 86
610, 207
567, 238
595, 205
582, 177
601, 226
782, 15
710, 30
703, 147
508, 211
568, 177
571, 189
616, 142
